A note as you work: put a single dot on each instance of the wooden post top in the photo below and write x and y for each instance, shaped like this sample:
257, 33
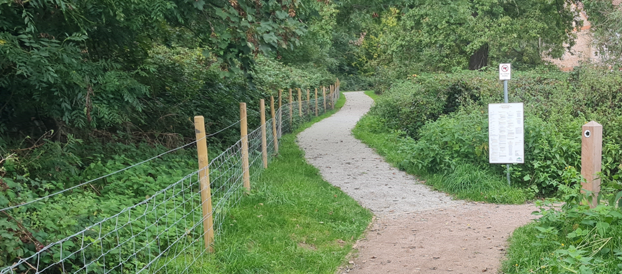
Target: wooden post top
592, 124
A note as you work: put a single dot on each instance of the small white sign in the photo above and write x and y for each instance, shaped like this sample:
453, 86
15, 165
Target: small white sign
506, 137
505, 71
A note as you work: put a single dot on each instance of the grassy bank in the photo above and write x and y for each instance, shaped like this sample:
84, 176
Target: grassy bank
464, 181
292, 222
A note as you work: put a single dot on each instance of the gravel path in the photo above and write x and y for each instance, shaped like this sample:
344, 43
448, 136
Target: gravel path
416, 230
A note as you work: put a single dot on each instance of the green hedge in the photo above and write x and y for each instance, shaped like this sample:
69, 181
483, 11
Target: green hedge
446, 114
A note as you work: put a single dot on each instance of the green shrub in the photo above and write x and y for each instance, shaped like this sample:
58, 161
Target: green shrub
409, 104
462, 137
446, 114
570, 239
450, 141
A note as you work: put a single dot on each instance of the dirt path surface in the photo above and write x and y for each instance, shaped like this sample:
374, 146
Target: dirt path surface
416, 230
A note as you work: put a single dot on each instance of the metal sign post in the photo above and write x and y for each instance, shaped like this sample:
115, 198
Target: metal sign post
506, 134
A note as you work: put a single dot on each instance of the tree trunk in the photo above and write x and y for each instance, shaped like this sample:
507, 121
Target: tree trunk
479, 59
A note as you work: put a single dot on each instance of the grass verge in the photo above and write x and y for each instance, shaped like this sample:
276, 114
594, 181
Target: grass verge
372, 94
292, 222
464, 182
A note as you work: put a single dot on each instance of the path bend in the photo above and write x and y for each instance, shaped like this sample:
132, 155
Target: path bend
417, 229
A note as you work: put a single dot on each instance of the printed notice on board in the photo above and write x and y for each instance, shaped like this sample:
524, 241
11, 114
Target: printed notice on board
506, 139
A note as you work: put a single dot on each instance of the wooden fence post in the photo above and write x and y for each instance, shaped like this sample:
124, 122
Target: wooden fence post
332, 97
280, 115
275, 137
591, 159
244, 138
264, 144
324, 97
335, 95
206, 195
299, 102
308, 103
291, 110
316, 102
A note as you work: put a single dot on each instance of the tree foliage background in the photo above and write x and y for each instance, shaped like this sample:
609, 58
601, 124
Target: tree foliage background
395, 39
116, 65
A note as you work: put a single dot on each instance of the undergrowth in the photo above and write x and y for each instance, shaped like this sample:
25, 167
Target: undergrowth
569, 237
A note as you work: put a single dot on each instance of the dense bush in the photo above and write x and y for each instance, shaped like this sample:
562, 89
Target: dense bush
462, 137
446, 114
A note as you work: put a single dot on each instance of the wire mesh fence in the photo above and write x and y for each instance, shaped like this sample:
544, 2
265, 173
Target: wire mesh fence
166, 232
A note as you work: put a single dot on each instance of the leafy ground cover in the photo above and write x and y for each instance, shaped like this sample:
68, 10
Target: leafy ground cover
292, 222
571, 238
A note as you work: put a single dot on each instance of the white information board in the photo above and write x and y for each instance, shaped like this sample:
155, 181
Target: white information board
505, 71
506, 137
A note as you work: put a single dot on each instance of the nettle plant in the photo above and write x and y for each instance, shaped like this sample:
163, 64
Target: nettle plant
580, 239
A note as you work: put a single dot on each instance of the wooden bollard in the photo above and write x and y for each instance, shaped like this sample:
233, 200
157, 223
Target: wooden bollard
275, 135
299, 102
324, 97
291, 109
316, 112
591, 158
206, 192
244, 138
264, 144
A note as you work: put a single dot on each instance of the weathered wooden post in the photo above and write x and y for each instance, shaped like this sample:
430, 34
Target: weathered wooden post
316, 111
308, 103
591, 158
280, 114
332, 97
244, 139
206, 193
299, 102
291, 110
324, 97
275, 135
264, 145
